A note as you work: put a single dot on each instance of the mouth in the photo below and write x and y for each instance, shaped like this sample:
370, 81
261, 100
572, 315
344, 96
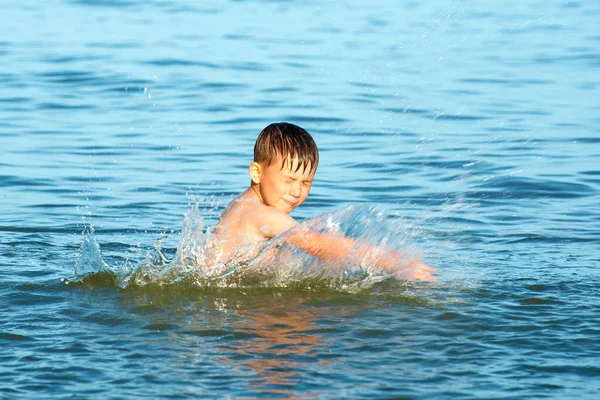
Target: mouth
289, 203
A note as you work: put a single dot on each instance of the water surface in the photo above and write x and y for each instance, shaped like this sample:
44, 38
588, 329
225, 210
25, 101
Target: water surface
471, 127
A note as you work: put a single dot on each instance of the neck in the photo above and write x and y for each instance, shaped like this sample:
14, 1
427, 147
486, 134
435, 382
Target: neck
256, 192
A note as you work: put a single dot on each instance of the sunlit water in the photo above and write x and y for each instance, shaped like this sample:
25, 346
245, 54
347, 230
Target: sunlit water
467, 131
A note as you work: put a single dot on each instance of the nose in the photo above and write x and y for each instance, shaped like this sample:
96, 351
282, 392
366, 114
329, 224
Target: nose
295, 189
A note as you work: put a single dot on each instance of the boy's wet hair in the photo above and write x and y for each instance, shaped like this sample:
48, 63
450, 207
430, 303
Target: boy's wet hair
286, 140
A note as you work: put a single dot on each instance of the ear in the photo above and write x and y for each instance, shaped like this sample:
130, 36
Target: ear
255, 170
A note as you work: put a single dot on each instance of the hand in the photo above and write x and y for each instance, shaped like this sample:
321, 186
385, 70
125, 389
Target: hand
418, 270
408, 269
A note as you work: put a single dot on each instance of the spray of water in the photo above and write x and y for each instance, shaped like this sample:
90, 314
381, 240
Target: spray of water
271, 264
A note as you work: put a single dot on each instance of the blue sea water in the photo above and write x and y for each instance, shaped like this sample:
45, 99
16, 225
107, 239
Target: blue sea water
466, 130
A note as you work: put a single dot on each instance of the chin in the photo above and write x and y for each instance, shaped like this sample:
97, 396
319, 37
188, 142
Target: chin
286, 209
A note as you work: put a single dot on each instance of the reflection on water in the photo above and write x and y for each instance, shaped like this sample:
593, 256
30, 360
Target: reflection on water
281, 347
269, 338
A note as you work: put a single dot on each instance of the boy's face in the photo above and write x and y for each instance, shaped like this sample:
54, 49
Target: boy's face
284, 188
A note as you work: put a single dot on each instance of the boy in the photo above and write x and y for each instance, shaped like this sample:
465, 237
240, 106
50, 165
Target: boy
285, 161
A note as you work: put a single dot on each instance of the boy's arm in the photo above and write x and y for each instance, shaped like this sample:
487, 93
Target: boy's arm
334, 248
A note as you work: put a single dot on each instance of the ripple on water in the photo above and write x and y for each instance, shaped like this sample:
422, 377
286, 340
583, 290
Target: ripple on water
13, 336
517, 187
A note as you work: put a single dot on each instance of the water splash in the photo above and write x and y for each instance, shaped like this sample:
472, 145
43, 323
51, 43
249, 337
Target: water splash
275, 263
89, 259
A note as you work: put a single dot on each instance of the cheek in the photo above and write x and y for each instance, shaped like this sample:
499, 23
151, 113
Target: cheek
305, 191
282, 188
275, 189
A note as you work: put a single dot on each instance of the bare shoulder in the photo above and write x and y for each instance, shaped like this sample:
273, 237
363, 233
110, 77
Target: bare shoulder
269, 221
248, 215
240, 207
